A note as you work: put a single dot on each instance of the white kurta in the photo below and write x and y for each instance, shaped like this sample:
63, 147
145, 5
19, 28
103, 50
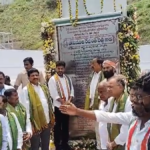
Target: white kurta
93, 86
54, 92
125, 119
4, 132
121, 138
20, 134
28, 123
40, 92
6, 87
104, 138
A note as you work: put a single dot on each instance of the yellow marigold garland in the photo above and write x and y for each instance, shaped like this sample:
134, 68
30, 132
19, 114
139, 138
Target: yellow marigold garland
74, 23
49, 52
115, 5
85, 7
128, 38
59, 8
102, 5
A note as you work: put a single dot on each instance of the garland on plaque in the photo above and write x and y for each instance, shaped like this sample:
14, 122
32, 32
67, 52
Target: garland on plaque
128, 37
129, 58
49, 52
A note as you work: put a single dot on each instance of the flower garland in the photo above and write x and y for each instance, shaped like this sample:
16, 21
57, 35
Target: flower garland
74, 23
129, 58
102, 5
85, 7
128, 37
49, 52
59, 8
115, 5
84, 144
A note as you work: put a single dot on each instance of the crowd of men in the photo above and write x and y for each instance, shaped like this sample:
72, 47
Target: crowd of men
26, 121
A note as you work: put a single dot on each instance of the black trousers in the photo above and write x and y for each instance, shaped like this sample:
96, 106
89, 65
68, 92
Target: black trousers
43, 137
61, 129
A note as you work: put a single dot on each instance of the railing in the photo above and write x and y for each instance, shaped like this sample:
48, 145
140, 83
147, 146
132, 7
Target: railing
6, 40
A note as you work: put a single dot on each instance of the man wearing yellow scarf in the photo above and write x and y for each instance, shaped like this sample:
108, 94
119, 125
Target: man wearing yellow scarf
38, 103
119, 103
14, 132
19, 110
92, 99
3, 128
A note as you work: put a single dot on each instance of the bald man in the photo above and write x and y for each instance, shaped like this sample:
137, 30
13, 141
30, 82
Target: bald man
92, 99
104, 106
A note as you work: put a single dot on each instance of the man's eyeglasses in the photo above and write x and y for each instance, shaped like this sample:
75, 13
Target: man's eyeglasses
140, 97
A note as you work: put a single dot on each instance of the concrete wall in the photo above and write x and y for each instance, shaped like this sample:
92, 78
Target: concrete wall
6, 2
144, 57
11, 61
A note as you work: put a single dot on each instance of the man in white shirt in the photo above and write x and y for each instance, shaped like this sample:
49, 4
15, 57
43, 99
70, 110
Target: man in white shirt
38, 104
92, 99
62, 91
104, 106
138, 121
3, 86
119, 103
22, 78
19, 110
14, 132
3, 133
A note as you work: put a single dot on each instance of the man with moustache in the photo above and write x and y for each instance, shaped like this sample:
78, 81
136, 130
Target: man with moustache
138, 121
3, 86
92, 99
38, 104
119, 103
104, 106
3, 126
14, 132
22, 78
14, 106
62, 91
109, 69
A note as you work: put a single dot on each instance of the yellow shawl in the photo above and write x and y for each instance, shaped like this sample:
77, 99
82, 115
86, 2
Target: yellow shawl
38, 118
87, 98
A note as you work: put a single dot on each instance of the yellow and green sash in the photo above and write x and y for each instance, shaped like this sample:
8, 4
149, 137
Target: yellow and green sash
13, 129
1, 135
38, 118
87, 98
114, 129
20, 112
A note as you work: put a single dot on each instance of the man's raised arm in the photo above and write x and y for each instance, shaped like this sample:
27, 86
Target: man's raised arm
99, 116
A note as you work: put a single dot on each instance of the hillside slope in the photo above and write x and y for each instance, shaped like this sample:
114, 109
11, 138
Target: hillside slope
24, 18
143, 13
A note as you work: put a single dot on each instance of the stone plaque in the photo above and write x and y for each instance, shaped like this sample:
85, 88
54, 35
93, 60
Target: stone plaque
77, 46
